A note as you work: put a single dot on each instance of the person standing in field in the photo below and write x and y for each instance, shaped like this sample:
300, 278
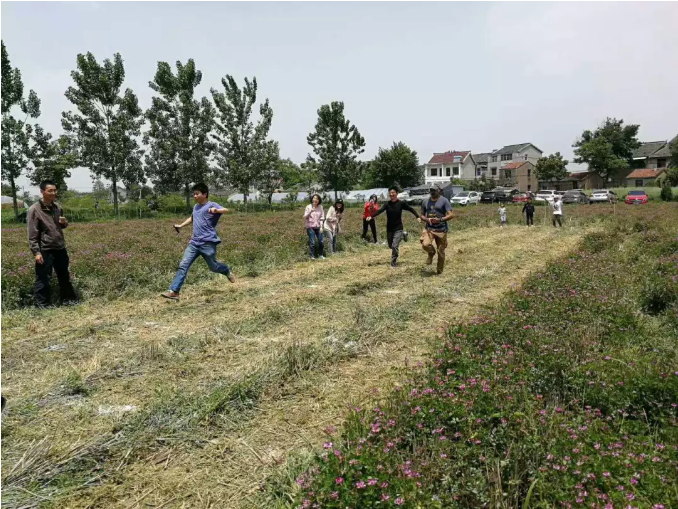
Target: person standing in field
332, 225
557, 207
314, 217
46, 241
371, 208
435, 212
204, 241
394, 222
528, 210
502, 215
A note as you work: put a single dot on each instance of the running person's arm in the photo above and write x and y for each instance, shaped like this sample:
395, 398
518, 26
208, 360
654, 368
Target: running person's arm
218, 210
381, 210
185, 223
408, 207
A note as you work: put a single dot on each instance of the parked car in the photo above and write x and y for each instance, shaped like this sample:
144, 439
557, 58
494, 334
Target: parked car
602, 196
523, 197
636, 198
575, 196
505, 195
466, 198
488, 197
546, 195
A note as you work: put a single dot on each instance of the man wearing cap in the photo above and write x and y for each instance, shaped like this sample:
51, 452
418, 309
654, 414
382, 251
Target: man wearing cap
435, 212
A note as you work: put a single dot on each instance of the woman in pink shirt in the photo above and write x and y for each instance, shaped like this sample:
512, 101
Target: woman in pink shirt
314, 216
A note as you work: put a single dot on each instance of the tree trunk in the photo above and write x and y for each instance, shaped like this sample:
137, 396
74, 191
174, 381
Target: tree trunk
114, 188
16, 205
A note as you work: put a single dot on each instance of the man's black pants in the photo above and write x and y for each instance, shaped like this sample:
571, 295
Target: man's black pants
57, 260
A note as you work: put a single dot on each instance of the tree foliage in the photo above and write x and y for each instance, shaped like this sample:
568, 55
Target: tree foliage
672, 176
397, 165
107, 122
610, 147
270, 178
551, 168
336, 144
52, 159
666, 193
673, 147
243, 153
178, 138
17, 134
290, 173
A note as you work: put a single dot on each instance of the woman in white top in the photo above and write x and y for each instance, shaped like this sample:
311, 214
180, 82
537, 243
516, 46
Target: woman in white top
332, 226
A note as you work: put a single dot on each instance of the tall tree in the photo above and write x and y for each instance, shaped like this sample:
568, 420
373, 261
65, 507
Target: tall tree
610, 147
270, 176
107, 123
16, 133
52, 159
397, 165
178, 137
551, 168
241, 145
290, 173
336, 144
673, 147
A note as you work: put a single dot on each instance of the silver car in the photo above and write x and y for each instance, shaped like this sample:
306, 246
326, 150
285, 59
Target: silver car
602, 196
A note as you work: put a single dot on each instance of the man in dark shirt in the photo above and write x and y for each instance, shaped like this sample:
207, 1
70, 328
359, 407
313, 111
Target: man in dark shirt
528, 209
46, 242
436, 211
394, 222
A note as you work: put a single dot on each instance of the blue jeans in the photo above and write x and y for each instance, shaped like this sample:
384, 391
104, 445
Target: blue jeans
315, 233
208, 251
331, 241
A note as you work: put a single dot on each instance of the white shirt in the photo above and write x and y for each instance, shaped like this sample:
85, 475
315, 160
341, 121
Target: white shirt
557, 207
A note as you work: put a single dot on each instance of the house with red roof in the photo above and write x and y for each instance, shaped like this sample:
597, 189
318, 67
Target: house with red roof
644, 176
443, 167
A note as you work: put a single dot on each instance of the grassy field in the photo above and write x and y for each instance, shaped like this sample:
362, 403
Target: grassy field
223, 399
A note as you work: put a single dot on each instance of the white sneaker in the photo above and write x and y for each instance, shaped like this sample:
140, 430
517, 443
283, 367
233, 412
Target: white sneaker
312, 258
321, 257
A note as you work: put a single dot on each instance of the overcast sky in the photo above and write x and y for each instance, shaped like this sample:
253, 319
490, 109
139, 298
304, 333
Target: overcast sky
437, 76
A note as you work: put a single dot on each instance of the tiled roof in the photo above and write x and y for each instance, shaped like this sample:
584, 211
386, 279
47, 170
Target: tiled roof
665, 151
580, 175
511, 149
646, 173
481, 158
447, 157
513, 166
648, 148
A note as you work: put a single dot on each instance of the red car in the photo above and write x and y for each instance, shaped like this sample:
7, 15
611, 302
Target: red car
523, 197
636, 198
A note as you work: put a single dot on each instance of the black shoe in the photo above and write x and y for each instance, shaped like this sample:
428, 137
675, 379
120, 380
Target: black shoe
406, 236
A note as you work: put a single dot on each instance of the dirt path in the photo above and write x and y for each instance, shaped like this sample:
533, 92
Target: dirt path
132, 353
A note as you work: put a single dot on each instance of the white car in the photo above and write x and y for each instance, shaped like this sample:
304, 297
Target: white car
602, 196
466, 198
546, 195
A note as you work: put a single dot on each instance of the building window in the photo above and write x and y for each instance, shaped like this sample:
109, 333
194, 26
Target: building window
529, 187
506, 157
456, 171
507, 174
526, 157
478, 172
494, 159
639, 183
457, 159
661, 163
494, 172
529, 173
434, 172
447, 172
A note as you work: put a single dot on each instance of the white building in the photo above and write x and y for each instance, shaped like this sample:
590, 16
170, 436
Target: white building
446, 166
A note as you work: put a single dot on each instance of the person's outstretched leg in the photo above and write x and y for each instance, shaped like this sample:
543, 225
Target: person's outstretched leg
190, 255
441, 243
427, 245
209, 252
394, 240
61, 268
373, 226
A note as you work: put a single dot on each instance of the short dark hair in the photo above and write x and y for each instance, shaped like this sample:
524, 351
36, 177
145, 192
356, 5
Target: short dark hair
374, 196
45, 183
320, 200
394, 188
339, 202
202, 188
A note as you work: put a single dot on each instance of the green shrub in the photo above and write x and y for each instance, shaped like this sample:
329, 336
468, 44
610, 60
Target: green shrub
666, 193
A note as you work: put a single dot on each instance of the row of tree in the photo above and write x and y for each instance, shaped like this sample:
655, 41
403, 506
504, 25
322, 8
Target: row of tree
181, 139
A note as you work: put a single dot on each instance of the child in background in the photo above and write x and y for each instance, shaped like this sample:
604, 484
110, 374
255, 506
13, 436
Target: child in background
502, 215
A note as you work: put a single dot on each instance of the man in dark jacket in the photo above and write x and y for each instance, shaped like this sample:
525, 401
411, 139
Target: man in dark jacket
528, 210
46, 242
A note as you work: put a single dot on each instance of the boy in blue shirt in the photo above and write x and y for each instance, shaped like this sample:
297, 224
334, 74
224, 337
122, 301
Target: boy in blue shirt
204, 241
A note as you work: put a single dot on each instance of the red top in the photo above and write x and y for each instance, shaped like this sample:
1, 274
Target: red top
370, 209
